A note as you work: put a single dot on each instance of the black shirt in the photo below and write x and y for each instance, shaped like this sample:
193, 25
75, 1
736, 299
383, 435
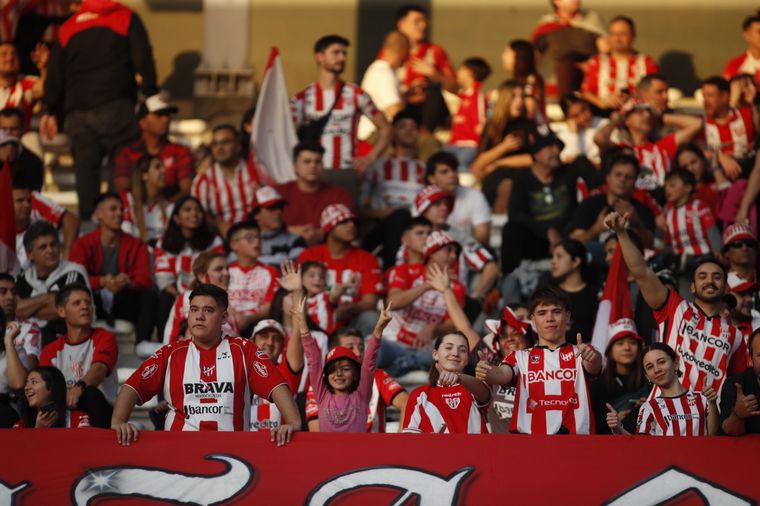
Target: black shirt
588, 211
538, 206
748, 381
583, 307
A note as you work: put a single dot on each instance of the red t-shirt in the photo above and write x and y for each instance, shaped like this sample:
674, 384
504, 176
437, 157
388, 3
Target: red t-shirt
430, 53
177, 159
341, 270
444, 410
305, 208
251, 288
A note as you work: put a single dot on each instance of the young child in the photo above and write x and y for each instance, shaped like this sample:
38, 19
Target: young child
452, 402
344, 385
321, 303
468, 122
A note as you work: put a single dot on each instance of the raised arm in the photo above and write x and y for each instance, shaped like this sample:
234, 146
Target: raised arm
369, 363
15, 370
687, 126
439, 280
291, 281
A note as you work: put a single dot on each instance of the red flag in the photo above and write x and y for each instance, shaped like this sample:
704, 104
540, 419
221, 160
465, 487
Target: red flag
615, 314
8, 260
274, 136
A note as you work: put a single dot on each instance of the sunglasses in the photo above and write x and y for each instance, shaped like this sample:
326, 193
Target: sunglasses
742, 244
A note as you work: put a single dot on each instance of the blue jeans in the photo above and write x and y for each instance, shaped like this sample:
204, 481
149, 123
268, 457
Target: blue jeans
398, 359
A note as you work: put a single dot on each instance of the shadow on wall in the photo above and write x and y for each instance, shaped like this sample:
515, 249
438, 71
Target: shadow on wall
678, 69
180, 82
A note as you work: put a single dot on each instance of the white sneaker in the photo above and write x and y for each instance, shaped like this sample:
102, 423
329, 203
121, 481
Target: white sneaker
145, 349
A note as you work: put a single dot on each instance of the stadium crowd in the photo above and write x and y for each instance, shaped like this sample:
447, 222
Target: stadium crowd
622, 298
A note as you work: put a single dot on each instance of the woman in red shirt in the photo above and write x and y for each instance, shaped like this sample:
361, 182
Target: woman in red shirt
44, 403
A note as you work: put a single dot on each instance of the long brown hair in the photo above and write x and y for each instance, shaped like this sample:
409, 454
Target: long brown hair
635, 379
139, 193
201, 265
494, 130
434, 374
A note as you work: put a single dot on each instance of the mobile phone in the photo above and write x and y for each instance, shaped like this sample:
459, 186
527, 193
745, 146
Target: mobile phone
47, 408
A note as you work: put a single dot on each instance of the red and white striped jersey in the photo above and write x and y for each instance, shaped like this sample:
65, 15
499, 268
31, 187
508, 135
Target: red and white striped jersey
709, 347
655, 160
472, 259
686, 228
734, 136
26, 343
444, 410
552, 391
264, 414
156, 218
470, 118
339, 137
684, 415
321, 311
426, 309
207, 389
178, 314
391, 182
606, 75
171, 269
251, 288
19, 95
384, 390
745, 63
45, 209
228, 199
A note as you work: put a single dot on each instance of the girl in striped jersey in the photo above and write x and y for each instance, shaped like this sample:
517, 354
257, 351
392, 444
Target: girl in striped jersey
676, 411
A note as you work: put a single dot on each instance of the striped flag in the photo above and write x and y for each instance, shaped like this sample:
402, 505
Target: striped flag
615, 314
274, 135
8, 260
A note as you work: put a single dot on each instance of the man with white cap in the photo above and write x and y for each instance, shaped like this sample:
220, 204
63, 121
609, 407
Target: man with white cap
154, 116
740, 250
743, 316
277, 244
349, 265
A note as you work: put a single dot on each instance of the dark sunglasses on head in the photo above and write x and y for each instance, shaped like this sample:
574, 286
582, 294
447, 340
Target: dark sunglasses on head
744, 243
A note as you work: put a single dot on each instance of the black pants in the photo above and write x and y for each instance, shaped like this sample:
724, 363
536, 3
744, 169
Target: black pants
519, 243
95, 134
94, 403
387, 234
433, 111
137, 306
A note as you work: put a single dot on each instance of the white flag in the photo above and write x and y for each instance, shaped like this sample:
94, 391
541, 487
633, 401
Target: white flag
274, 135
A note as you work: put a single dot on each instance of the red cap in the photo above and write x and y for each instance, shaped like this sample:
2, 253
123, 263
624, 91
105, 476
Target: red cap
437, 240
341, 352
266, 196
428, 196
737, 232
737, 284
495, 326
333, 215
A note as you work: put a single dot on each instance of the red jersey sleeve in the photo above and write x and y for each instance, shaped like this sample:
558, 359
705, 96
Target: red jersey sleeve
263, 376
50, 351
105, 349
398, 277
148, 380
671, 303
669, 145
184, 164
387, 386
291, 378
442, 62
372, 277
312, 408
591, 78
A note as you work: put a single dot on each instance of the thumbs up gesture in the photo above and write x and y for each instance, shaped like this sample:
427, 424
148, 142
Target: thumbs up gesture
746, 405
585, 351
613, 419
483, 367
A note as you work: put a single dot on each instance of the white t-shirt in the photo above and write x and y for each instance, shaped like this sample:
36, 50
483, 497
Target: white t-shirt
580, 143
382, 85
470, 209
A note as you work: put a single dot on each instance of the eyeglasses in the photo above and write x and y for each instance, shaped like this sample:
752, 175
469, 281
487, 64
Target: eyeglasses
742, 244
223, 142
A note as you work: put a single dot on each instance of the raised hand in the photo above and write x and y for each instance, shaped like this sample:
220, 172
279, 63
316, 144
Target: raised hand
708, 391
616, 222
585, 351
291, 277
438, 278
384, 320
12, 330
483, 367
746, 405
446, 378
613, 418
297, 314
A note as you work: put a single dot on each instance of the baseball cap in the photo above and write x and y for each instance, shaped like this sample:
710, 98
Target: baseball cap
541, 137
266, 196
268, 324
737, 284
341, 352
508, 316
333, 215
155, 103
6, 137
428, 196
737, 232
437, 240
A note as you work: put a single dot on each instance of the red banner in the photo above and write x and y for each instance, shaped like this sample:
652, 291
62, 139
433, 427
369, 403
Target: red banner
86, 466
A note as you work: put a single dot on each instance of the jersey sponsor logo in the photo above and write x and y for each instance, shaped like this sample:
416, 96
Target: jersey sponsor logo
224, 355
149, 371
210, 387
265, 424
687, 329
208, 370
453, 402
552, 375
206, 409
704, 365
554, 402
77, 368
260, 369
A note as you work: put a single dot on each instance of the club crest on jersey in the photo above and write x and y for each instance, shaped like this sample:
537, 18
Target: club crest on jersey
567, 356
453, 402
149, 371
260, 369
534, 359
261, 354
208, 370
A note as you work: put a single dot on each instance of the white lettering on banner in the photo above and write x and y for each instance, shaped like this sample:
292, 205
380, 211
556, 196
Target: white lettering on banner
163, 485
430, 489
7, 493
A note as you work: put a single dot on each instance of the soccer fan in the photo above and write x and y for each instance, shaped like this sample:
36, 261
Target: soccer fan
347, 264
652, 90
30, 207
468, 122
749, 61
707, 345
101, 57
153, 116
620, 174
209, 378
578, 130
740, 251
518, 59
739, 411
146, 209
227, 190
552, 384
611, 78
428, 70
655, 158
277, 244
452, 402
86, 356
713, 186
44, 406
209, 267
386, 391
743, 292
571, 273
24, 163
419, 311
320, 302
343, 103
13, 365
252, 283
342, 386
470, 217
675, 411
311, 192
118, 267
621, 383
16, 90
47, 274
381, 83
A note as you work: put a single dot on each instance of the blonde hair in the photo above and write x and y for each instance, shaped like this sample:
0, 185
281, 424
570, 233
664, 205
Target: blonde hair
494, 130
